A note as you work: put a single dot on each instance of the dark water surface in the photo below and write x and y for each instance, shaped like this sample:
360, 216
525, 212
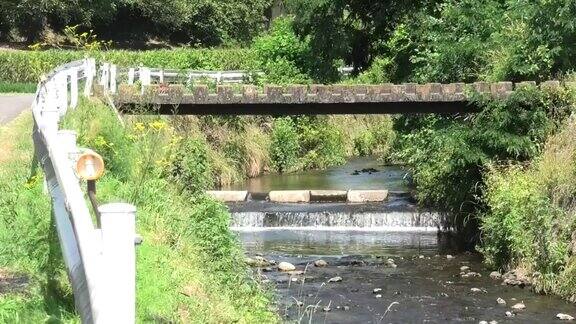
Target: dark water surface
335, 178
418, 290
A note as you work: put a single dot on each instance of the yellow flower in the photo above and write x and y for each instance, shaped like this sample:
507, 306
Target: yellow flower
139, 127
157, 125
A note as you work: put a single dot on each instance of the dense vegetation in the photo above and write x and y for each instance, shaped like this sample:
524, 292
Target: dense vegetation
136, 23
188, 254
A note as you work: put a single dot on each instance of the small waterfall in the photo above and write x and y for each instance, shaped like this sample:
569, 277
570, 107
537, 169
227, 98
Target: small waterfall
392, 221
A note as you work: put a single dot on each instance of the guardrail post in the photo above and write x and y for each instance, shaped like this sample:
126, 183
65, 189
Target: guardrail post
105, 76
90, 72
145, 78
73, 88
118, 228
131, 76
113, 78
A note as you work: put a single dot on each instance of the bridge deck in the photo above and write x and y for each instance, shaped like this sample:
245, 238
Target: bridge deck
312, 99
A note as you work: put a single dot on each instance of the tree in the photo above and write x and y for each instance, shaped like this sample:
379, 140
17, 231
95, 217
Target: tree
347, 29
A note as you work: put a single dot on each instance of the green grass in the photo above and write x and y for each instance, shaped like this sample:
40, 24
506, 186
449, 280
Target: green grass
190, 266
27, 243
17, 87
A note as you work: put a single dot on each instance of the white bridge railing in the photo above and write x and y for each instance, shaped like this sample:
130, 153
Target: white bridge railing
109, 76
100, 261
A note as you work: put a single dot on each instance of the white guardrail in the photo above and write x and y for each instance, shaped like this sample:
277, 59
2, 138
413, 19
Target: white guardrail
110, 74
100, 261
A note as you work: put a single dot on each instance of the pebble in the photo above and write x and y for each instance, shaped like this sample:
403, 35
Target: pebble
346, 308
335, 279
500, 301
564, 317
464, 268
510, 314
285, 266
320, 263
470, 274
376, 290
294, 279
477, 290
519, 306
495, 275
378, 296
420, 257
449, 257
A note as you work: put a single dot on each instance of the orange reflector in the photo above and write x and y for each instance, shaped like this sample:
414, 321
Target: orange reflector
90, 165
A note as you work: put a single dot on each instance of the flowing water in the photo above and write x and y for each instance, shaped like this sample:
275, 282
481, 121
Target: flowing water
357, 242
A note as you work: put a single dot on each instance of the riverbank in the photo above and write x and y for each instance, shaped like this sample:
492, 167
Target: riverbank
189, 266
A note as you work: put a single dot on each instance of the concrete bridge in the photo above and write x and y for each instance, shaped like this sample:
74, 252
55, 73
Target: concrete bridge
310, 99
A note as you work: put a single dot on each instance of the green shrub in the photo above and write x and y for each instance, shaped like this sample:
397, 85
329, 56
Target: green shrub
284, 146
190, 166
321, 144
99, 129
448, 155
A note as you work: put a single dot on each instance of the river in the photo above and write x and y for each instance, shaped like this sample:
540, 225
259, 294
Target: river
393, 264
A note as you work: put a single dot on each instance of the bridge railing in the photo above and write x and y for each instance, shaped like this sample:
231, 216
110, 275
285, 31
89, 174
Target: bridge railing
100, 260
112, 74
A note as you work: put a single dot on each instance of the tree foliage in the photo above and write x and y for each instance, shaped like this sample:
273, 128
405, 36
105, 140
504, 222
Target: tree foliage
195, 22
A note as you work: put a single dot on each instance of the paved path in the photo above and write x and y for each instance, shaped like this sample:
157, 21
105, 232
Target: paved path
12, 105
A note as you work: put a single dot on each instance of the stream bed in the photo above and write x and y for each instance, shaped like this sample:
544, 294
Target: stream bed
386, 263
424, 287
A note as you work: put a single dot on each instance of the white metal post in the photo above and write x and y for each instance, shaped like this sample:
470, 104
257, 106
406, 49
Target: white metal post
113, 78
104, 76
90, 72
144, 77
73, 88
118, 228
131, 76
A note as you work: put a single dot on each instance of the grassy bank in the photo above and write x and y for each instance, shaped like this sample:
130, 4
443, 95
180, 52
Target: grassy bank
504, 178
190, 266
531, 221
37, 285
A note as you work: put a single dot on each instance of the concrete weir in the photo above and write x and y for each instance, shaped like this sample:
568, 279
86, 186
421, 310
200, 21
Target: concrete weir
228, 196
289, 196
306, 196
362, 196
328, 195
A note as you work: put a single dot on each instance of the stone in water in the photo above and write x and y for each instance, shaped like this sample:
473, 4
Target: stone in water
519, 306
564, 317
335, 279
320, 263
285, 266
